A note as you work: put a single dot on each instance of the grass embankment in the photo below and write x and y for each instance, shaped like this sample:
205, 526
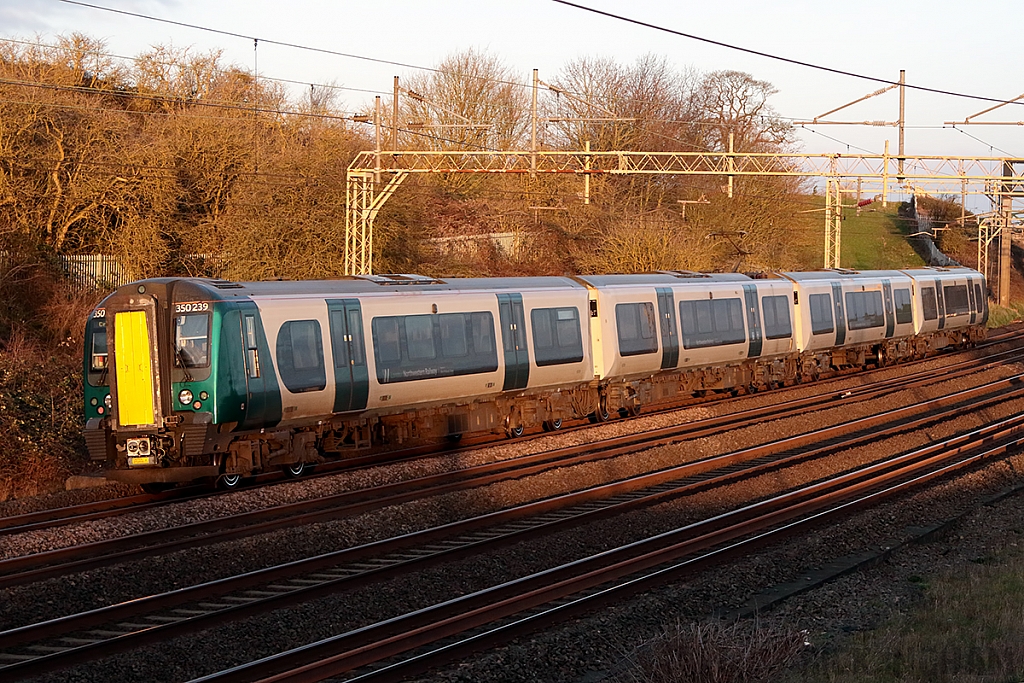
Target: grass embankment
874, 240
877, 239
968, 627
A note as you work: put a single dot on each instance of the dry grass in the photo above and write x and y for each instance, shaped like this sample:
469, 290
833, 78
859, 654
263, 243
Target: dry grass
712, 652
969, 628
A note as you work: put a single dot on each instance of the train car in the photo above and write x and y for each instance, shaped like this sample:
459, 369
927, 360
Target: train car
948, 303
847, 318
189, 379
673, 333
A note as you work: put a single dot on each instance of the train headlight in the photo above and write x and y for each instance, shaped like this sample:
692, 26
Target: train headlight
106, 401
184, 397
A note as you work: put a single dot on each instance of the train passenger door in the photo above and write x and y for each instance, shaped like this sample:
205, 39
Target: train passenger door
513, 336
941, 303
890, 315
837, 298
753, 321
263, 399
351, 375
669, 337
971, 297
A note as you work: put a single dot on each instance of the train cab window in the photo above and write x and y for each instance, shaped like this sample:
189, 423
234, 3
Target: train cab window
904, 310
192, 340
929, 307
98, 353
777, 323
636, 328
958, 302
821, 313
300, 356
979, 298
864, 310
712, 322
556, 335
96, 349
415, 347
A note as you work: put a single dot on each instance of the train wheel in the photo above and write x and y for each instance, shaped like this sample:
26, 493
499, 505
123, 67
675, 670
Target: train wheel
553, 425
514, 432
229, 482
601, 414
297, 469
454, 438
633, 408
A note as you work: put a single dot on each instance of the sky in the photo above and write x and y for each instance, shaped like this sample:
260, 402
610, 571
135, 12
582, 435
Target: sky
940, 43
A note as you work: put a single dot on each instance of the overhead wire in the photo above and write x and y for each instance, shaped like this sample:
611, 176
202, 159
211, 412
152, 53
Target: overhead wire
768, 55
436, 70
611, 15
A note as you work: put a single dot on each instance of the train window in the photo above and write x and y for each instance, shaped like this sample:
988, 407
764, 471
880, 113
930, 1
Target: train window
777, 324
636, 327
864, 310
98, 355
300, 356
386, 342
192, 340
482, 331
904, 311
405, 348
355, 336
821, 313
929, 307
453, 335
419, 332
348, 340
712, 322
979, 298
556, 335
958, 302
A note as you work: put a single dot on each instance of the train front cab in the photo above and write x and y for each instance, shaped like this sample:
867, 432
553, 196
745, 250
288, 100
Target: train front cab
152, 375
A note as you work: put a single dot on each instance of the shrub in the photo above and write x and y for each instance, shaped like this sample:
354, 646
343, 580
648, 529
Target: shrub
713, 652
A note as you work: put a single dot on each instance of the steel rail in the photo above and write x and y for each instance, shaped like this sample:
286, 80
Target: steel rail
44, 519
49, 564
759, 522
570, 510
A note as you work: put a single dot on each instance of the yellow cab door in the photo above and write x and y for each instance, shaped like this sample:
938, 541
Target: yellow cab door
134, 368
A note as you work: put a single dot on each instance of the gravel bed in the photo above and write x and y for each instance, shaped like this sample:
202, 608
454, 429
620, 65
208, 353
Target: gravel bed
187, 512
185, 658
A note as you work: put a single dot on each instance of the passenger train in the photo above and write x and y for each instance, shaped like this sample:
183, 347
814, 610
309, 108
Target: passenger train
191, 379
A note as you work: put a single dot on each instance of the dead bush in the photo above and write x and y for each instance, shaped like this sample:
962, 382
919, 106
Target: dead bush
713, 652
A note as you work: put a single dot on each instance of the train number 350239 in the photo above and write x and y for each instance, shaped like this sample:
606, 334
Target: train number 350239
192, 307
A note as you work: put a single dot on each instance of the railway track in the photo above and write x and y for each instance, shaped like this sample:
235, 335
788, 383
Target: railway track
72, 559
458, 627
76, 638
105, 509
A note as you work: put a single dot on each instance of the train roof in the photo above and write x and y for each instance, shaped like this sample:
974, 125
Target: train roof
848, 274
360, 284
667, 277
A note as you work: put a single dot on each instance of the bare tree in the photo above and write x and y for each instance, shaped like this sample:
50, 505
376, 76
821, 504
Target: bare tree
734, 102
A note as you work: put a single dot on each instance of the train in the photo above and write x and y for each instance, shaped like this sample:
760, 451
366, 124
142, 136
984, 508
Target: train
191, 379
